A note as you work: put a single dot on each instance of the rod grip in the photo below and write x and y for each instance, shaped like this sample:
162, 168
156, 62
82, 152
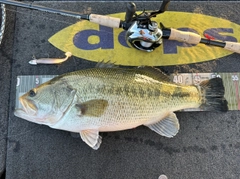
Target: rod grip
188, 37
232, 46
105, 20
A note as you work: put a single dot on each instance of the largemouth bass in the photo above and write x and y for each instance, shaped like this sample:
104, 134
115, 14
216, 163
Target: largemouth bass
111, 99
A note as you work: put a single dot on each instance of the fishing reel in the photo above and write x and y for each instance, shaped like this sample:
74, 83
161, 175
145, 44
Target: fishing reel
143, 33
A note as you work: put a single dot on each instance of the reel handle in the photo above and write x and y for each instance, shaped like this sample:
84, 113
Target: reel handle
130, 11
164, 6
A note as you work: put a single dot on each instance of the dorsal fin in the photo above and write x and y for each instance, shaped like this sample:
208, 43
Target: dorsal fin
107, 64
155, 73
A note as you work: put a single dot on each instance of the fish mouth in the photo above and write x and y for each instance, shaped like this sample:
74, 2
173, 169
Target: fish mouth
29, 111
28, 107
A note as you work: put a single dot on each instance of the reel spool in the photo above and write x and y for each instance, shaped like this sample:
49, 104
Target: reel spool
144, 37
142, 33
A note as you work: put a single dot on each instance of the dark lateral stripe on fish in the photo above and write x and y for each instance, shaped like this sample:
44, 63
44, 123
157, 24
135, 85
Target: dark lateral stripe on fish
134, 91
179, 92
156, 92
141, 92
126, 89
118, 91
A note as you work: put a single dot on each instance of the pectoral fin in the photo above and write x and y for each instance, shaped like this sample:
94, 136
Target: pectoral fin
93, 108
167, 127
92, 138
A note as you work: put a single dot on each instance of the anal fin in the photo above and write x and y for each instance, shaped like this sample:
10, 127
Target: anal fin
92, 138
167, 127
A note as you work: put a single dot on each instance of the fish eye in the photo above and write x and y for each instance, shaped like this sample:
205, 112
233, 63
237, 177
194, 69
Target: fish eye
32, 93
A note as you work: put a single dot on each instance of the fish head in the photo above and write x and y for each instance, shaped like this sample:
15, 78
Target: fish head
45, 104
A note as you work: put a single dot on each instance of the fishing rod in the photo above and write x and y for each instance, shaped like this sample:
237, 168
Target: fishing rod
142, 33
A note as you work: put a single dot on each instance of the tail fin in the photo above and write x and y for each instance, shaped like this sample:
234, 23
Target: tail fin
213, 91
